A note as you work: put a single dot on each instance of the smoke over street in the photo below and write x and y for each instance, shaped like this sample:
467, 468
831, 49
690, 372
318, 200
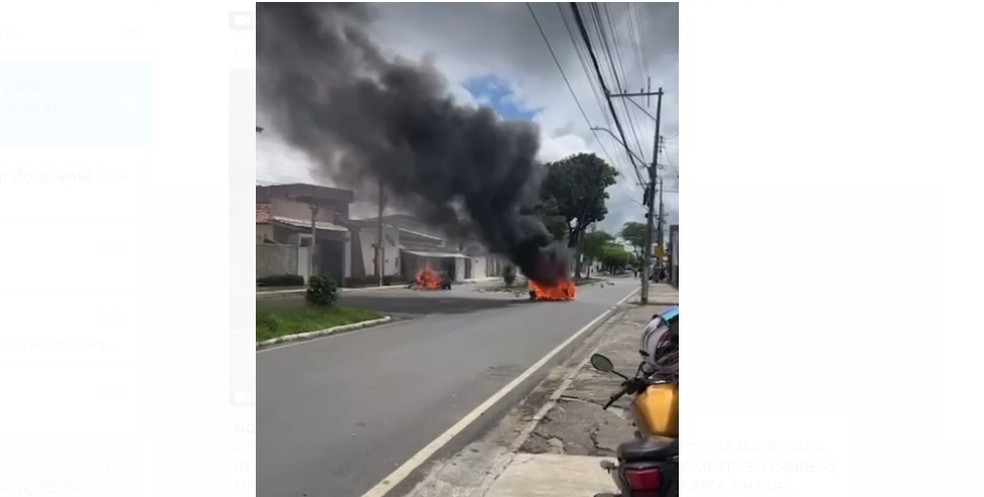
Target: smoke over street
364, 117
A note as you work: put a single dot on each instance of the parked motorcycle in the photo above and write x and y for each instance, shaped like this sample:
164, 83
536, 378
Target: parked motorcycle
648, 466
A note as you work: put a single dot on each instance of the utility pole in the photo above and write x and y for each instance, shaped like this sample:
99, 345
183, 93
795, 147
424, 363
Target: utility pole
650, 195
380, 249
659, 220
314, 241
659, 227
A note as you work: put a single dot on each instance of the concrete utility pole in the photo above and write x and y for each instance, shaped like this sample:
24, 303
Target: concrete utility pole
650, 193
659, 227
380, 249
314, 240
659, 223
652, 184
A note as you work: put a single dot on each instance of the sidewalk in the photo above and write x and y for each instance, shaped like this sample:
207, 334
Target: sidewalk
551, 444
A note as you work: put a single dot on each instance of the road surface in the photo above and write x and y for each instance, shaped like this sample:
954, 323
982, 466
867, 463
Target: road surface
337, 415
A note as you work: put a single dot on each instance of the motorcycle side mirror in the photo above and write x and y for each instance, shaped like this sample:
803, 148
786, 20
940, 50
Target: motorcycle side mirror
602, 363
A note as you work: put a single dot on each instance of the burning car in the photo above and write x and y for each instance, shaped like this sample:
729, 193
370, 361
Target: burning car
429, 279
564, 289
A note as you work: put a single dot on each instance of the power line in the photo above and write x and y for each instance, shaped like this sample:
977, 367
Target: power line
605, 46
583, 58
594, 60
595, 91
599, 29
633, 29
637, 37
561, 69
612, 62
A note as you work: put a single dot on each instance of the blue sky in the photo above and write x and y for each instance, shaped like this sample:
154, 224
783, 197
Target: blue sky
496, 91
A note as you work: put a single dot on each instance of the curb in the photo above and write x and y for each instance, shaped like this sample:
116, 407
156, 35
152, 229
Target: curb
503, 461
365, 288
555, 396
273, 293
327, 331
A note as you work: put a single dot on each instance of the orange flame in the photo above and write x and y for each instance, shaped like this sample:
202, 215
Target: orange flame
428, 278
563, 290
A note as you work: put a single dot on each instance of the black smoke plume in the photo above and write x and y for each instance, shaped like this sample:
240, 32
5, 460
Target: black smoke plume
364, 117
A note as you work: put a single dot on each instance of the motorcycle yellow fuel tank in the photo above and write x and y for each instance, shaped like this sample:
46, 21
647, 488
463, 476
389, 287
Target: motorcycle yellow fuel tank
656, 411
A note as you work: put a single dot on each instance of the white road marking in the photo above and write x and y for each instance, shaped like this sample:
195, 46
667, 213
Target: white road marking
430, 449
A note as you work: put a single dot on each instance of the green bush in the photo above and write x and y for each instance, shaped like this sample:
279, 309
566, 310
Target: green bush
281, 280
509, 275
321, 291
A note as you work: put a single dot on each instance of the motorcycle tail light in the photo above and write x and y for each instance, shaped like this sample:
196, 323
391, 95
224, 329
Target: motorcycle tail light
644, 482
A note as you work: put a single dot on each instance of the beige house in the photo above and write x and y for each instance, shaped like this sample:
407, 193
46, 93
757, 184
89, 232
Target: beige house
296, 216
409, 245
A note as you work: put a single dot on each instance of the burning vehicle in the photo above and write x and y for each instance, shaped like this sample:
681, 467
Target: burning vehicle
429, 279
562, 290
554, 283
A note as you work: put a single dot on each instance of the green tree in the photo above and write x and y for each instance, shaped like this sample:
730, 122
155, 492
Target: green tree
594, 245
615, 258
635, 234
550, 215
575, 190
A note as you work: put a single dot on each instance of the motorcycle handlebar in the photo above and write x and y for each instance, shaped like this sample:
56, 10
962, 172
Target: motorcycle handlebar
627, 386
631, 386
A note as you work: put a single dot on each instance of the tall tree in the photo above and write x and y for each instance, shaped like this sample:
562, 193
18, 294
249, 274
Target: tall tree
577, 186
635, 234
594, 245
615, 258
552, 219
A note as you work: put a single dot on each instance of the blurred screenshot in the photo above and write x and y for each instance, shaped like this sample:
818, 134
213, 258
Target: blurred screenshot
455, 202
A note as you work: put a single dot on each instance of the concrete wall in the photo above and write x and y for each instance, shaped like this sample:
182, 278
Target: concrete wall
391, 255
459, 269
275, 259
300, 210
494, 265
264, 230
304, 262
479, 266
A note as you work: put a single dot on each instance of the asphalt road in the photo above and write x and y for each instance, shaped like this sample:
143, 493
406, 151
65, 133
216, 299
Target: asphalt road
336, 415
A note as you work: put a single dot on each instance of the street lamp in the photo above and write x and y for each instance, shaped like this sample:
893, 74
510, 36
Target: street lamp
631, 153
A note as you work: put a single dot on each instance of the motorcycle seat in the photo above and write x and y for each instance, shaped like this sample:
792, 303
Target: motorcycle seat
648, 449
